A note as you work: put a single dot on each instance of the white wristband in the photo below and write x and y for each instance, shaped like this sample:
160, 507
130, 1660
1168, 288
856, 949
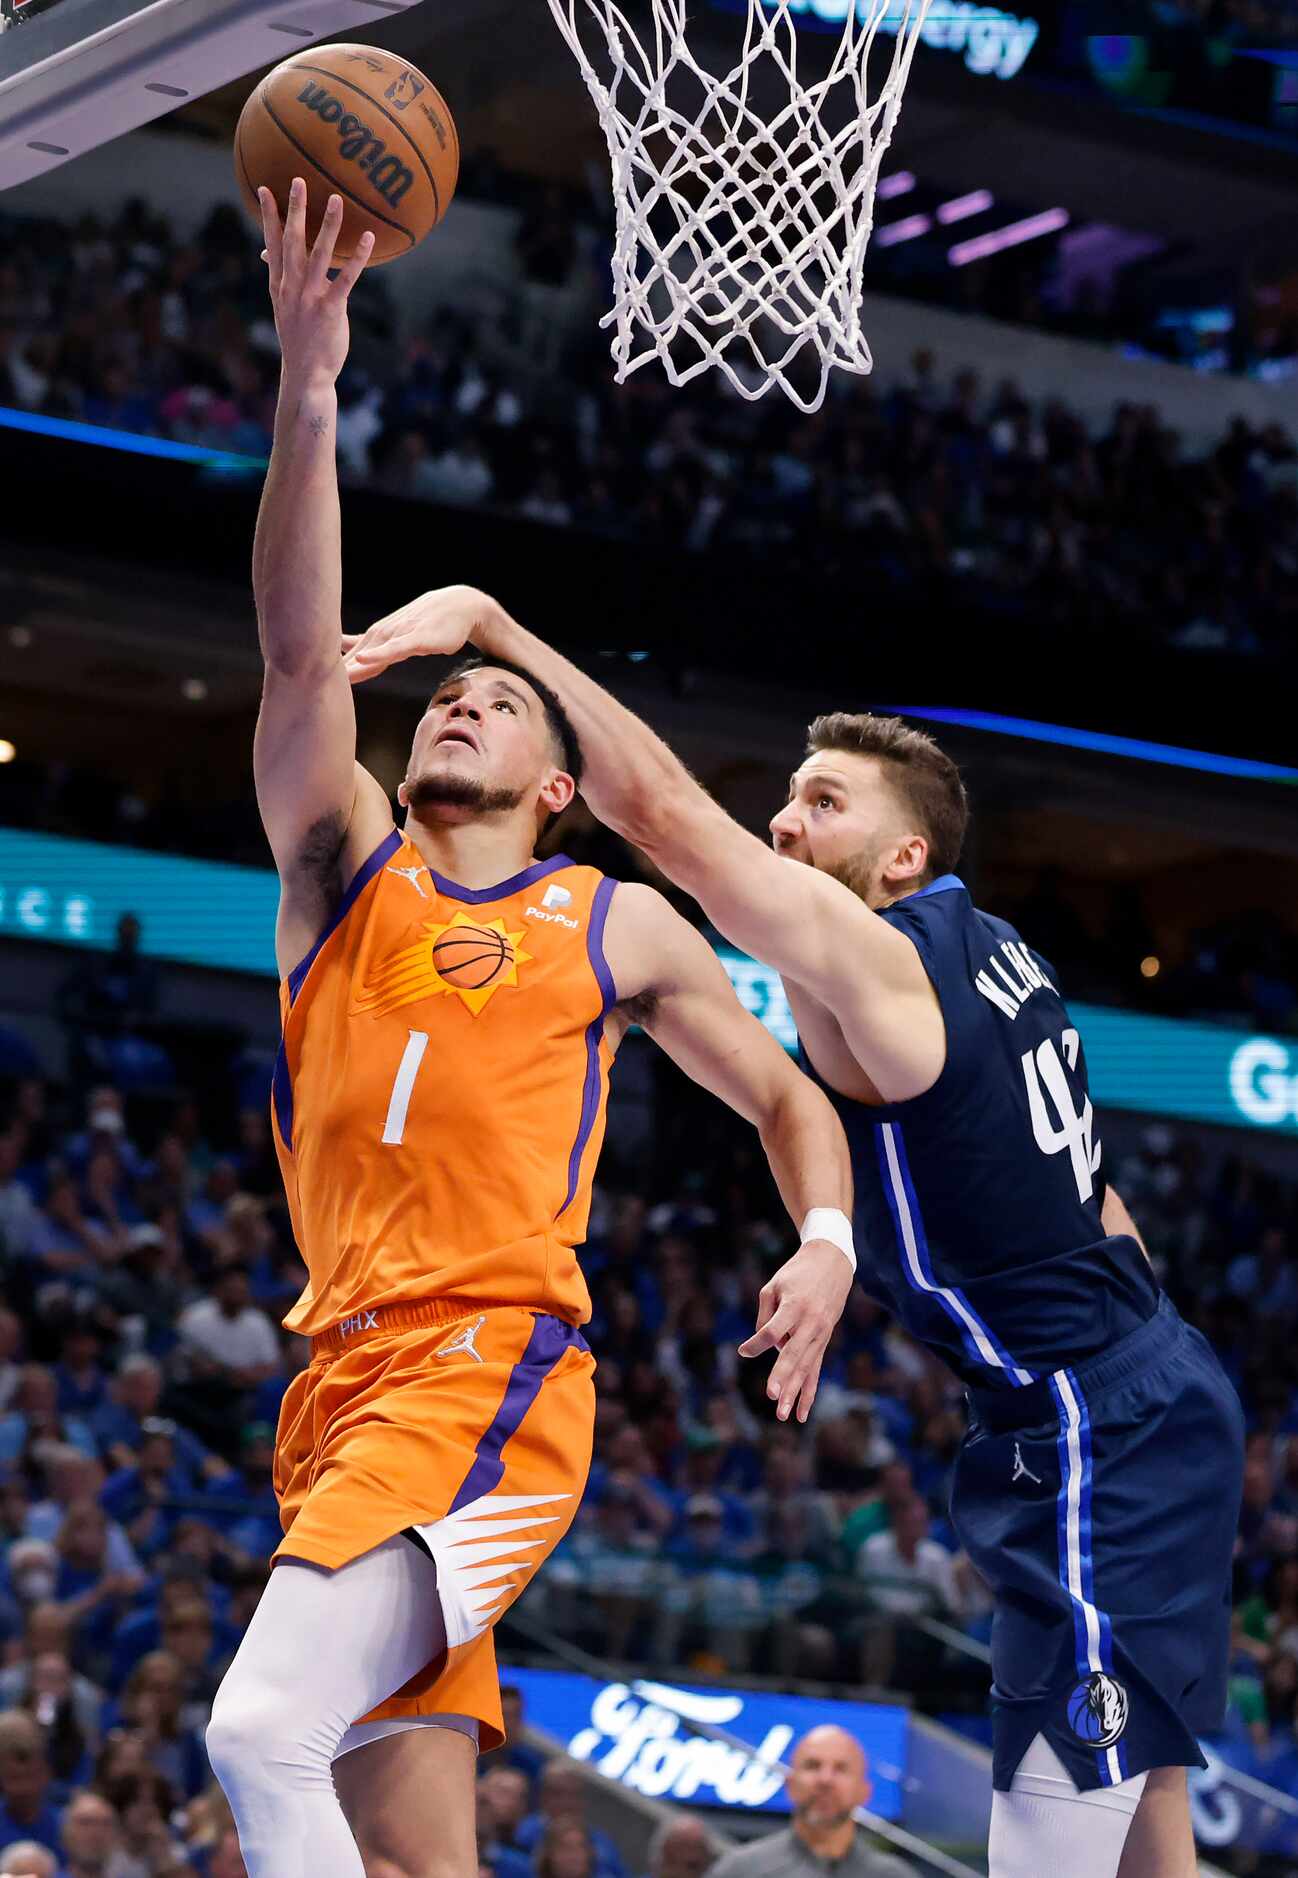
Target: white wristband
826, 1222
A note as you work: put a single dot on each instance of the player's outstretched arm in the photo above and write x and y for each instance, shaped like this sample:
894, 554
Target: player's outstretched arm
805, 924
674, 985
304, 752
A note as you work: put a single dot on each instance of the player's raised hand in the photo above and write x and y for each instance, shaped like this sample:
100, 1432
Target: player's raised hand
442, 621
310, 309
797, 1310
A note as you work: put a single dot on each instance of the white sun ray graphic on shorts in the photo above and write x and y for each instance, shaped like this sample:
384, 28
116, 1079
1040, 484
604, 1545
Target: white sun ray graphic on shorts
480, 1567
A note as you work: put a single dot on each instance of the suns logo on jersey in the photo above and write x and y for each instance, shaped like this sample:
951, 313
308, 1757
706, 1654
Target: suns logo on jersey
472, 959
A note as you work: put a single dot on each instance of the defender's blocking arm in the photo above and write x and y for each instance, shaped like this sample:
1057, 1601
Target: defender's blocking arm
804, 923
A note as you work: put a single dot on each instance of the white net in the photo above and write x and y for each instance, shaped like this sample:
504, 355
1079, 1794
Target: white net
744, 196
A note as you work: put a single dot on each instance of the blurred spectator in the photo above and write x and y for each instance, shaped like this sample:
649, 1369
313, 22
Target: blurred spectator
19, 1217
109, 994
562, 1799
682, 1848
501, 1859
26, 1859
566, 1849
508, 1791
228, 1347
144, 1804
11, 1343
121, 1423
151, 1706
30, 1683
827, 1780
522, 1761
27, 1810
90, 1837
50, 1699
712, 1602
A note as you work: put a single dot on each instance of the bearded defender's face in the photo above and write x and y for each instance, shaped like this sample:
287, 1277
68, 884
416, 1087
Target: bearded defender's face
481, 748
843, 817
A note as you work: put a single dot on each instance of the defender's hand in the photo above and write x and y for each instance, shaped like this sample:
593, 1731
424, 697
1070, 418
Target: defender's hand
310, 309
797, 1310
443, 621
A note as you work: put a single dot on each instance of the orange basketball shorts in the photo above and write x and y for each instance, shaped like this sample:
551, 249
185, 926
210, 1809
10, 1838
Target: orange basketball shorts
469, 1431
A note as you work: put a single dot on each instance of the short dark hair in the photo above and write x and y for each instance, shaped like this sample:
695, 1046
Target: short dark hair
923, 775
559, 723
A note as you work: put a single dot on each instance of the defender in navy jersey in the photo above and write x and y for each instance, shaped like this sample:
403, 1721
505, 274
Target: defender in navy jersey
1098, 1487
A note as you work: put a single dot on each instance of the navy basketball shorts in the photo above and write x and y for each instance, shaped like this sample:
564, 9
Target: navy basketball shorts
1100, 1504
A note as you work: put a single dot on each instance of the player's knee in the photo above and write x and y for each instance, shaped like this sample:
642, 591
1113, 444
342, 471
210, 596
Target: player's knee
256, 1739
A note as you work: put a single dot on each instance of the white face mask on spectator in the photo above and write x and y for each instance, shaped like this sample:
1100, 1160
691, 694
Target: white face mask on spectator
35, 1584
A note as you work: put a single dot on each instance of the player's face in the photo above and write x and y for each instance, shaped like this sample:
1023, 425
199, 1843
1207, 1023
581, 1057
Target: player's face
842, 817
481, 747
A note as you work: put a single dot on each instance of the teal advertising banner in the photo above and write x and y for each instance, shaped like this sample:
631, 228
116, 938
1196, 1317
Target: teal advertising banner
207, 913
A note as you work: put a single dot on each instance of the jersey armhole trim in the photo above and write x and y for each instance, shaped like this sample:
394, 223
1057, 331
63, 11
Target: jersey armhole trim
360, 880
600, 903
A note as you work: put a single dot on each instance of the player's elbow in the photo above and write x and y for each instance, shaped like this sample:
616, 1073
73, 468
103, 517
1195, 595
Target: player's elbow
293, 655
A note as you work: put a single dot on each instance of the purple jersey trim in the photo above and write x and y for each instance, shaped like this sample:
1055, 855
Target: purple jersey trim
550, 1340
475, 896
594, 1031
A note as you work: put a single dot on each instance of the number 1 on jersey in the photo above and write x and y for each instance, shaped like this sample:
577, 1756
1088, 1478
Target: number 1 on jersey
407, 1069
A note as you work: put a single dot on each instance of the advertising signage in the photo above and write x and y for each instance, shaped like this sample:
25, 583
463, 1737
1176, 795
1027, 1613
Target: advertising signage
647, 1736
72, 893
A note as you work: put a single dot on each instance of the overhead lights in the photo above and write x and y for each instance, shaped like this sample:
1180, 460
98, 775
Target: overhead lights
978, 247
195, 689
899, 183
910, 228
1150, 967
7, 751
977, 202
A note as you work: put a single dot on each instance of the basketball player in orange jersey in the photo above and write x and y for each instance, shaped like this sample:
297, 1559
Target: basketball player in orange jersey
451, 1009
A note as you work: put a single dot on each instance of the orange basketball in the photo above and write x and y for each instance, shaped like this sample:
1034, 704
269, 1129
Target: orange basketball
360, 123
471, 956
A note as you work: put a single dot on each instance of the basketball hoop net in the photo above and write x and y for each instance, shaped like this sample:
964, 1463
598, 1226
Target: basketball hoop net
745, 200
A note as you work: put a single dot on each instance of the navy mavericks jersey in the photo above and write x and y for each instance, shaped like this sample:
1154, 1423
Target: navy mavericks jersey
978, 1203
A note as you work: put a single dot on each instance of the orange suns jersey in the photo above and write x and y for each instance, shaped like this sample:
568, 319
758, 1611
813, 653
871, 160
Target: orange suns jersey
438, 1101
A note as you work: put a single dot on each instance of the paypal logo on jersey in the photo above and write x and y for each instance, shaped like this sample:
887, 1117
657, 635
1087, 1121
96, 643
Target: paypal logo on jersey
553, 898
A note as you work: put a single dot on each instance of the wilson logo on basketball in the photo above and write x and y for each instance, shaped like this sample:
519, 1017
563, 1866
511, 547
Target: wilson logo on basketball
358, 144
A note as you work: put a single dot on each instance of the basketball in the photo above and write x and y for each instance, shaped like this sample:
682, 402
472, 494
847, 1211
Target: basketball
469, 957
358, 122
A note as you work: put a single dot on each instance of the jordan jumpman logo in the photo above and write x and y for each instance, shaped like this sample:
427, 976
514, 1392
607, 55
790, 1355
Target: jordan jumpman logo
412, 875
1022, 1472
465, 1342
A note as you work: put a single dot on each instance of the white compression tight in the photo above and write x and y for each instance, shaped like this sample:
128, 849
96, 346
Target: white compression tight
322, 1648
1044, 1828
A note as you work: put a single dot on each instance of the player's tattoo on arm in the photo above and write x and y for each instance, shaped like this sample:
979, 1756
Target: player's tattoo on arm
317, 422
